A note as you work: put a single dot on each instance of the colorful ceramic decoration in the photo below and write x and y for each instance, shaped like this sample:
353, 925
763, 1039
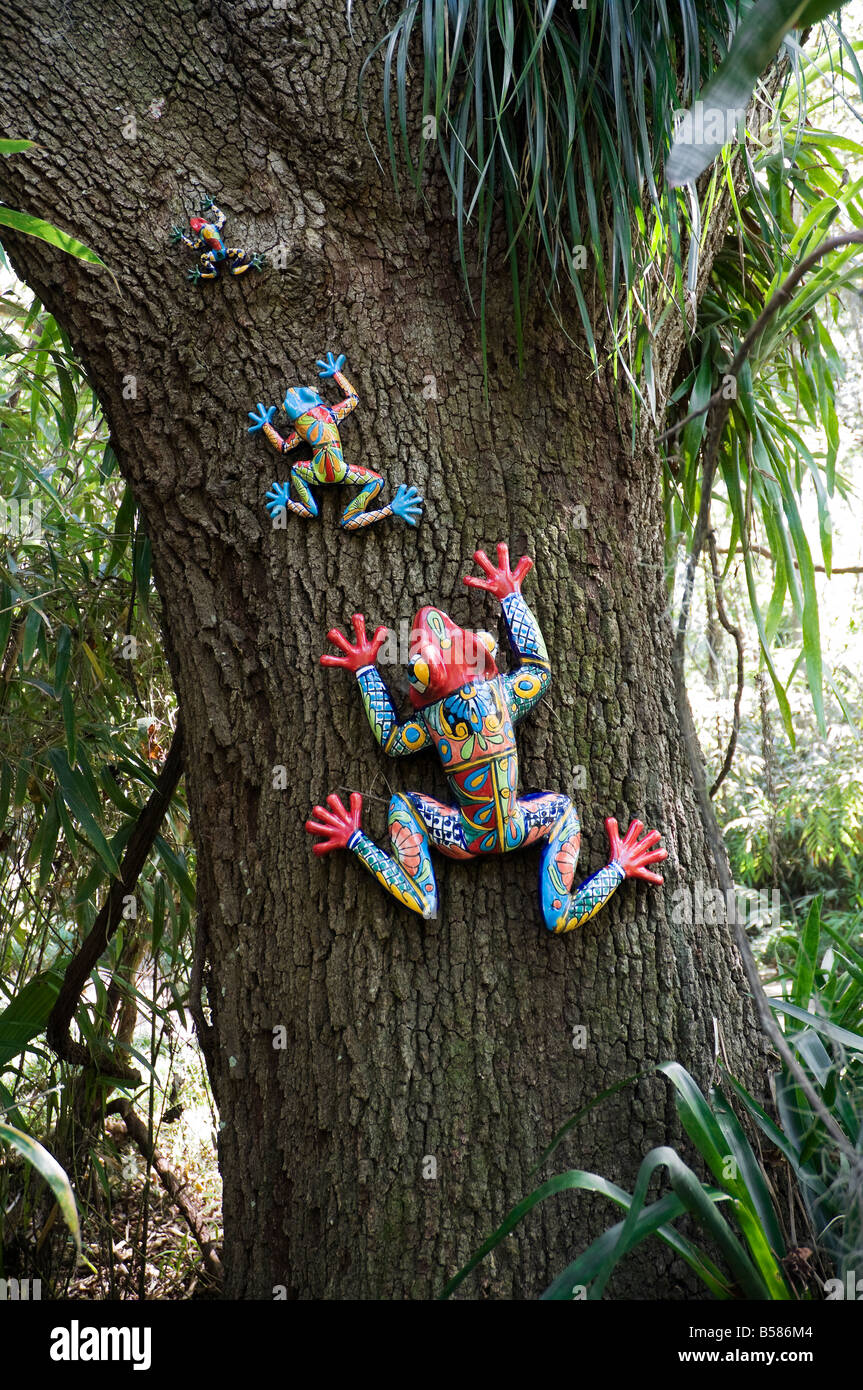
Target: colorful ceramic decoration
317, 424
466, 708
214, 256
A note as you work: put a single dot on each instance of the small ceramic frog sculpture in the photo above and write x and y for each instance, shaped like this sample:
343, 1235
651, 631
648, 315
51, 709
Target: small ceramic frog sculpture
465, 708
214, 256
317, 424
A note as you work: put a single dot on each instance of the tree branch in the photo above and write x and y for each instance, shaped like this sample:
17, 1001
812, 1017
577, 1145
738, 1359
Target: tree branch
110, 914
819, 569
774, 304
175, 1188
738, 641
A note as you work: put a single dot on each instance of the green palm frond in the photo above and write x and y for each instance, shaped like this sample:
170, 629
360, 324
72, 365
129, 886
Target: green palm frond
724, 101
551, 123
801, 190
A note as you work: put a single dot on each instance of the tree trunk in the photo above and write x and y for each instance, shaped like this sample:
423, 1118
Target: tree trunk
451, 1038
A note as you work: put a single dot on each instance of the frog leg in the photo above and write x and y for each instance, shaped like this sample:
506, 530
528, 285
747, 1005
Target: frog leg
407, 503
444, 825
355, 515
552, 817
279, 497
208, 266
216, 216
239, 261
407, 873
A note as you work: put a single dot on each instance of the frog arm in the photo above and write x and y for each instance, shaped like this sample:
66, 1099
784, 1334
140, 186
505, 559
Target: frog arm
351, 398
281, 445
397, 740
531, 678
216, 216
179, 238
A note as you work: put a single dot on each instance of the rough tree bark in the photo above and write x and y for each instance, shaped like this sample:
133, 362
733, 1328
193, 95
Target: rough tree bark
451, 1038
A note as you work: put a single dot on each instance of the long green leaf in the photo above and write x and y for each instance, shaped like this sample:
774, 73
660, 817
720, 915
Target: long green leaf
696, 1200
654, 1219
26, 1015
763, 1232
853, 1041
48, 1168
779, 1138
38, 227
756, 44
78, 798
807, 955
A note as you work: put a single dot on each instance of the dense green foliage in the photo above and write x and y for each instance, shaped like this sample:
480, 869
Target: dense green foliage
555, 122
551, 121
749, 1249
87, 715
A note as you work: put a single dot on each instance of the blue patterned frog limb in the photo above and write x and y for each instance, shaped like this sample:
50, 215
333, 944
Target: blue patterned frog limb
466, 709
214, 256
317, 424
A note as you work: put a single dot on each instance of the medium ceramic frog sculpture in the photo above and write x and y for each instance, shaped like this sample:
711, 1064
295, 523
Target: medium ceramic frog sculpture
317, 424
466, 709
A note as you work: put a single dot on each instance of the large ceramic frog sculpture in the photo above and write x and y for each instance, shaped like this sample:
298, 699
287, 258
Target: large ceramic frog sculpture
466, 709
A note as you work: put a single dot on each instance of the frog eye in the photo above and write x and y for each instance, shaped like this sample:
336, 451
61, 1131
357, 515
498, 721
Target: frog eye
487, 640
438, 629
418, 673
